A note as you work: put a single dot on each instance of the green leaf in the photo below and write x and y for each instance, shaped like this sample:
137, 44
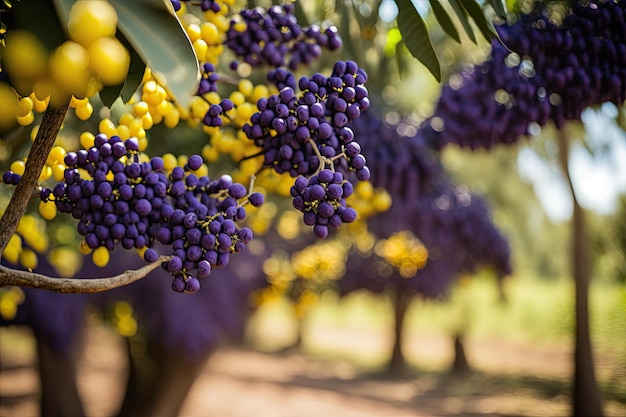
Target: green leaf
160, 40
478, 15
499, 6
136, 70
444, 20
415, 37
461, 14
109, 94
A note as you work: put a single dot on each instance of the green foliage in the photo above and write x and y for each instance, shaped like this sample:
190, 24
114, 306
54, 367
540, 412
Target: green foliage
415, 36
159, 39
415, 31
444, 20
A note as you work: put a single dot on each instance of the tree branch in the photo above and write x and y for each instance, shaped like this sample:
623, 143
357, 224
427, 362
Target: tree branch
10, 276
46, 135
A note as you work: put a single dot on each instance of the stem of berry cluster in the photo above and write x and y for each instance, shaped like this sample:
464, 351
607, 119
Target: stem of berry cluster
46, 135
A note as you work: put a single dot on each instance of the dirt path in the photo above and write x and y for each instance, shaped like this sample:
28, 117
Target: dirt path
508, 380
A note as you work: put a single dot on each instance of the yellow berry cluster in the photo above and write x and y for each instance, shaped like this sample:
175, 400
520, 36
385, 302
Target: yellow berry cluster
29, 239
92, 57
403, 251
368, 201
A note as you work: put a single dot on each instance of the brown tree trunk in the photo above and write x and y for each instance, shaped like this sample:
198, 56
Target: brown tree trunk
586, 395
460, 366
401, 300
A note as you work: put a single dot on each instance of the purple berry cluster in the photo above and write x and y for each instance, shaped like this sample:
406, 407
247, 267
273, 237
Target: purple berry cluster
208, 80
302, 134
305, 134
119, 200
322, 199
205, 5
555, 72
273, 37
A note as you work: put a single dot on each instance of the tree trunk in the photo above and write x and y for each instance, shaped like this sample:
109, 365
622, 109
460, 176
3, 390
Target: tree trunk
460, 366
585, 396
401, 300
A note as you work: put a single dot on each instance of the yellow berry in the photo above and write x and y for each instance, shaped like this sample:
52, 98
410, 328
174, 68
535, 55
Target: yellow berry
169, 161
57, 155
123, 132
86, 140
210, 153
238, 98
8, 107
109, 60
84, 112
25, 59
46, 172
209, 33
47, 210
40, 106
126, 119
194, 32
100, 256
140, 109
107, 127
148, 121
58, 172
28, 259
26, 120
69, 68
171, 119
84, 248
200, 48
142, 143
90, 20
246, 87
18, 167
78, 102
24, 106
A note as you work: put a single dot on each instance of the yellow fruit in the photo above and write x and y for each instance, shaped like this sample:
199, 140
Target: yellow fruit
100, 256
107, 127
90, 20
194, 32
18, 167
69, 68
28, 259
47, 210
86, 139
24, 57
56, 156
109, 60
26, 120
24, 106
209, 33
8, 107
84, 112
200, 47
58, 172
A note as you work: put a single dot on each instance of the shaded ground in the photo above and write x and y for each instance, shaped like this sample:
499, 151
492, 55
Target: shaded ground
509, 380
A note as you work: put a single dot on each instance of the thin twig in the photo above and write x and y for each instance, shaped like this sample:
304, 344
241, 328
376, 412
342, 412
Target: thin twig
9, 276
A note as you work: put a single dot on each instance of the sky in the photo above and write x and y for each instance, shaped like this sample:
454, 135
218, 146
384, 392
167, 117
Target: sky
598, 182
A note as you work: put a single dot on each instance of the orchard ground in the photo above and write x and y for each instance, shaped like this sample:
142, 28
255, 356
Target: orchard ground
520, 353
